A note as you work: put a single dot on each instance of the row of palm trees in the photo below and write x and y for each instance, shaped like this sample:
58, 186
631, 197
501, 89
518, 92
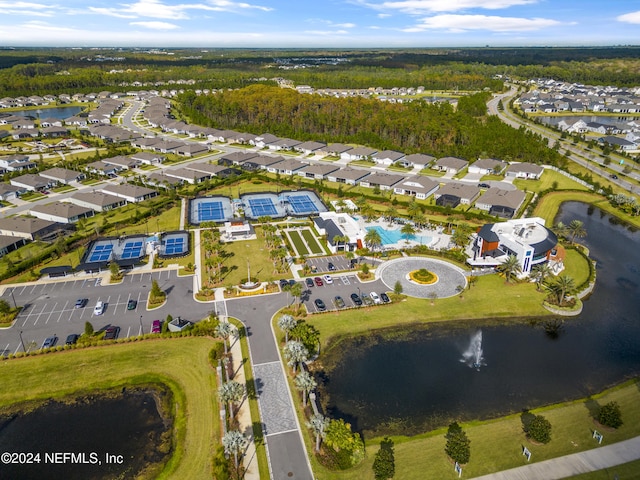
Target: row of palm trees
214, 255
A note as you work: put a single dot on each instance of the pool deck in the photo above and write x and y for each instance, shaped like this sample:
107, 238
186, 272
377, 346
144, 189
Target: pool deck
439, 240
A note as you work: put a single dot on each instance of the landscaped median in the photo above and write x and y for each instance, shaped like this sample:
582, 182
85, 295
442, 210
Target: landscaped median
180, 363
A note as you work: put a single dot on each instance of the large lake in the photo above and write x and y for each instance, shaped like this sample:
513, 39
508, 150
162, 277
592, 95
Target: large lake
54, 112
127, 426
420, 379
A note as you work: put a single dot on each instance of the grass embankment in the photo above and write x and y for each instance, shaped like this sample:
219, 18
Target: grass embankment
180, 363
496, 445
549, 206
490, 297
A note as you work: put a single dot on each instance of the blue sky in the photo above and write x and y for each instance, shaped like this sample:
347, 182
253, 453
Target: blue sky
313, 23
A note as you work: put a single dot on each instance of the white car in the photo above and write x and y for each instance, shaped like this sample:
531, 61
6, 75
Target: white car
99, 308
327, 279
375, 297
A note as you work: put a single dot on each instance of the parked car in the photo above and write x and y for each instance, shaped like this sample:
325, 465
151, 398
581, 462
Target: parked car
156, 326
309, 282
375, 297
484, 185
318, 281
339, 301
366, 299
614, 176
331, 267
356, 299
71, 339
283, 283
99, 308
50, 342
385, 298
327, 279
111, 333
82, 302
292, 282
132, 304
320, 305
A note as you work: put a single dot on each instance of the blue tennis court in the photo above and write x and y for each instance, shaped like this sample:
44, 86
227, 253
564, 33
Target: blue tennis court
210, 211
131, 250
302, 204
174, 246
101, 253
261, 207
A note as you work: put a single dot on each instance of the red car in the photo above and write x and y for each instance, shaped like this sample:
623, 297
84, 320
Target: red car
156, 326
318, 281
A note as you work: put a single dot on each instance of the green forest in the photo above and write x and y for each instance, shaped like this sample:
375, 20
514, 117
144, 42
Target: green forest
415, 127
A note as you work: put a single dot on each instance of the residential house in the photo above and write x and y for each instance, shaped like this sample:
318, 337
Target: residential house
29, 228
54, 132
261, 141
417, 186
487, 166
236, 158
416, 160
620, 143
32, 182
348, 176
284, 144
318, 171
9, 244
455, 193
192, 149
337, 149
358, 153
159, 179
131, 193
188, 175
104, 169
525, 170
148, 158
288, 166
62, 175
16, 163
10, 192
310, 148
451, 165
387, 157
502, 203
381, 180
221, 171
260, 162
61, 212
98, 201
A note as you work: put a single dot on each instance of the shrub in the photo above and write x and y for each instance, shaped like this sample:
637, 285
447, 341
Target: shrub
539, 429
610, 415
384, 466
458, 446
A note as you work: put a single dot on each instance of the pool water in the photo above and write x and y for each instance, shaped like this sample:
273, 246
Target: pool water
390, 237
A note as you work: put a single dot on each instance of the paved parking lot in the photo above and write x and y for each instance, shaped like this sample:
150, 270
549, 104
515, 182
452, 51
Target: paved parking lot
342, 285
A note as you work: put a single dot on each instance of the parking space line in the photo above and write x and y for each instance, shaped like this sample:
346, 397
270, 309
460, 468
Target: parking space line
32, 290
23, 289
43, 309
128, 331
63, 310
51, 313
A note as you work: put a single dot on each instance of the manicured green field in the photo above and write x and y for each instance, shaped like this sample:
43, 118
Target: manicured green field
298, 243
576, 266
311, 241
180, 363
257, 252
546, 182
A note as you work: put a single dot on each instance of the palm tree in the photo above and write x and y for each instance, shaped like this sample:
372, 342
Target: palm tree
223, 330
296, 292
408, 230
419, 220
413, 208
305, 383
318, 424
286, 323
390, 214
509, 267
560, 229
296, 353
233, 443
576, 230
564, 285
540, 273
231, 392
373, 239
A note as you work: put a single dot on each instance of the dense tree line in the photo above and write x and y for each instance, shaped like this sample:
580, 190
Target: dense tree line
435, 129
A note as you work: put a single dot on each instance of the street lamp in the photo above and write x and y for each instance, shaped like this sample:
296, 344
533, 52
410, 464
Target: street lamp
141, 329
22, 342
15, 305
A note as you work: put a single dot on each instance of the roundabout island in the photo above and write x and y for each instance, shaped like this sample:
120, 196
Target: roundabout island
449, 277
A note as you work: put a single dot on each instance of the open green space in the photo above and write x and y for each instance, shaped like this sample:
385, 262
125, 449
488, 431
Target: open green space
298, 244
311, 241
576, 266
180, 363
546, 182
496, 445
626, 471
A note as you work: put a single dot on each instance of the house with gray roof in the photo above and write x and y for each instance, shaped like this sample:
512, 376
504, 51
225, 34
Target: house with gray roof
453, 194
159, 179
98, 201
236, 158
192, 149
260, 162
29, 228
287, 166
387, 157
450, 165
416, 160
101, 168
525, 170
348, 176
9, 244
417, 186
16, 163
503, 203
284, 144
358, 153
131, 193
382, 180
318, 171
487, 166
61, 212
264, 140
221, 171
309, 148
10, 192
148, 158
188, 175
337, 149
32, 182
63, 175
125, 163
145, 143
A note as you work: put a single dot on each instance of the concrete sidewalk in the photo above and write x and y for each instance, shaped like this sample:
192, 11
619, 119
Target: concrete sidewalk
574, 464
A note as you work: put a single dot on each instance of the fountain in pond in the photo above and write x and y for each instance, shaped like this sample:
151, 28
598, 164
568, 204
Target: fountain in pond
472, 356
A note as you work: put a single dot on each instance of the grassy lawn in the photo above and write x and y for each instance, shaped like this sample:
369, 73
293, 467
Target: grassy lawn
546, 182
497, 444
311, 241
477, 303
548, 206
64, 188
576, 266
181, 363
298, 244
626, 471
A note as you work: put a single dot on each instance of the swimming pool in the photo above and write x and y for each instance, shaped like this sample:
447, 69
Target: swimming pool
390, 237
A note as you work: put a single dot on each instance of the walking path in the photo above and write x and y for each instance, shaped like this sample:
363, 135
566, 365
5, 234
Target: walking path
574, 464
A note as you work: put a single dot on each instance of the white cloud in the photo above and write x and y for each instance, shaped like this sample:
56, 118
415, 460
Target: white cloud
384, 15
326, 32
156, 25
463, 23
633, 17
44, 26
427, 6
157, 9
27, 8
